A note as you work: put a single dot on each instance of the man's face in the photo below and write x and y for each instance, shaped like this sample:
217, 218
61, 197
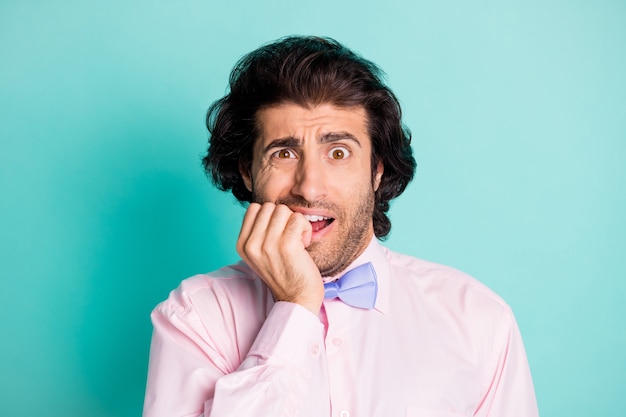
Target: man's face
317, 161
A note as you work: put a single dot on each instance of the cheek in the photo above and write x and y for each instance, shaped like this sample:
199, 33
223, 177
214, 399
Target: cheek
270, 183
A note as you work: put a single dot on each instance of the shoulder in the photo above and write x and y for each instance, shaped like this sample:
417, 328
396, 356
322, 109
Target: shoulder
220, 311
226, 287
450, 303
446, 286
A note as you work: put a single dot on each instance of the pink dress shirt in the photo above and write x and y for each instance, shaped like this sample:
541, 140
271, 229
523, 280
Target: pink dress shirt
437, 344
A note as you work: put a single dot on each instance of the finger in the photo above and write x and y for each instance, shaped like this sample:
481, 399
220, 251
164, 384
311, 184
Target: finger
248, 220
253, 243
260, 224
287, 231
307, 234
275, 233
299, 228
246, 227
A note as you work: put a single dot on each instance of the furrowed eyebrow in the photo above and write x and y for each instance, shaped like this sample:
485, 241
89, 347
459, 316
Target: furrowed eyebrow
289, 142
337, 136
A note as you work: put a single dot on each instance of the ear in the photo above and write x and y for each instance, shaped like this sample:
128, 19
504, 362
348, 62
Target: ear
380, 168
245, 176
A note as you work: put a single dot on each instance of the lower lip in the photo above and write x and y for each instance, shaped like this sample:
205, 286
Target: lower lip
321, 233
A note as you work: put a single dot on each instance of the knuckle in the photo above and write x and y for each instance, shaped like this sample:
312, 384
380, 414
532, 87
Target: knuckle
283, 208
265, 249
268, 206
249, 248
281, 211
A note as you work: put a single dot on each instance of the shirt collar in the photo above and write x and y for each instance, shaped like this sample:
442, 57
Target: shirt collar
374, 253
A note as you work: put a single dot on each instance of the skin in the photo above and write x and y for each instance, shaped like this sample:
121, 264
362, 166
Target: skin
308, 161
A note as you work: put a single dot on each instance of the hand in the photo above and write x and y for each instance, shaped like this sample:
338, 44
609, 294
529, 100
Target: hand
273, 242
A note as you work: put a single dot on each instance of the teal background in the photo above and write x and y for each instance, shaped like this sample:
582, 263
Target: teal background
518, 111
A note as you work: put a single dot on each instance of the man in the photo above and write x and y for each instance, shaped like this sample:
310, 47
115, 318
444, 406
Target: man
319, 319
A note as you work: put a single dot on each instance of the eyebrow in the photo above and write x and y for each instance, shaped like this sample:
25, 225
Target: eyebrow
291, 142
337, 136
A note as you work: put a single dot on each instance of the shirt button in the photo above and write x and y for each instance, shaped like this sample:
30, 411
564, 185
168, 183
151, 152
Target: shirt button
344, 413
315, 349
337, 341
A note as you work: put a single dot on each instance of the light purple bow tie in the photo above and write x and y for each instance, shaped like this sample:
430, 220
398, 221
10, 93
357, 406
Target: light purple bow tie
356, 287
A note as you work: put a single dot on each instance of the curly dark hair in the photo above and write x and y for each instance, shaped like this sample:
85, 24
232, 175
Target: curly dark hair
307, 70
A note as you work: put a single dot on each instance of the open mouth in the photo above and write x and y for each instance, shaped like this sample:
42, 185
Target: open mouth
318, 222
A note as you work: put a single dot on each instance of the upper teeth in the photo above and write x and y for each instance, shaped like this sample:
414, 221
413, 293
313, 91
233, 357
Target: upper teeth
315, 218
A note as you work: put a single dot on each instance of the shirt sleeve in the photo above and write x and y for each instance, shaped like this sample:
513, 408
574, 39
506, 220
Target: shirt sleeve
283, 374
509, 387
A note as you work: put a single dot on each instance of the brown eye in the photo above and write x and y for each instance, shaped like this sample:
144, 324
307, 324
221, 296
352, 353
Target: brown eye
339, 153
284, 154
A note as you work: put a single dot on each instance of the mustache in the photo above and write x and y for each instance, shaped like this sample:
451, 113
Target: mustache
301, 202
295, 201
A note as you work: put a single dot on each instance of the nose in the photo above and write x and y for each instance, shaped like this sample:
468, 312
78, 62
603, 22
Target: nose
310, 179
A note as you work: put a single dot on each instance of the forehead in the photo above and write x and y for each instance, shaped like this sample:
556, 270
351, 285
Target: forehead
294, 120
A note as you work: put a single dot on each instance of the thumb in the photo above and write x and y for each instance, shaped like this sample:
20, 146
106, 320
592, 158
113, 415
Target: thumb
300, 225
307, 233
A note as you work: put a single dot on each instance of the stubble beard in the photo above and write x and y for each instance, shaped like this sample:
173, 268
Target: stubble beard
348, 241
